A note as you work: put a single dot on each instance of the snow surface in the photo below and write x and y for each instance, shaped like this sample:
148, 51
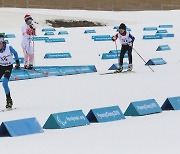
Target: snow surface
152, 134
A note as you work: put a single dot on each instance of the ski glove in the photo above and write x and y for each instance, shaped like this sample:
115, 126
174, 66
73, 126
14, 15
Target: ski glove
114, 38
130, 44
31, 31
17, 66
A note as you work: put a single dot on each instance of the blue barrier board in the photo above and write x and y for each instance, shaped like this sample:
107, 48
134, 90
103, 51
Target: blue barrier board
171, 103
63, 33
156, 61
48, 29
39, 38
105, 114
145, 107
149, 28
52, 40
20, 127
66, 120
163, 48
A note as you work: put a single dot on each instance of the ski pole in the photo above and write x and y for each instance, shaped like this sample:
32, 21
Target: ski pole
116, 51
142, 59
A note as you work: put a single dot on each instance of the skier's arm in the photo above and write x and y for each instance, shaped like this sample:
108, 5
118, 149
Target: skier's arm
14, 53
16, 57
114, 38
132, 37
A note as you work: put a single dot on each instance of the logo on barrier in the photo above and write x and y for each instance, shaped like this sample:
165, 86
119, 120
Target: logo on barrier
147, 37
156, 61
165, 35
171, 103
165, 26
55, 40
161, 31
144, 107
70, 70
112, 55
105, 114
20, 127
40, 38
48, 29
66, 120
149, 28
58, 55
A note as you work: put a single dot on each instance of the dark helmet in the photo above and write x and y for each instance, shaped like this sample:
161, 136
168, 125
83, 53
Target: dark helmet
122, 26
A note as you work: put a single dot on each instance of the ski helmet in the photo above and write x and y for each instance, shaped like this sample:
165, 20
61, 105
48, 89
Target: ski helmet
28, 17
122, 26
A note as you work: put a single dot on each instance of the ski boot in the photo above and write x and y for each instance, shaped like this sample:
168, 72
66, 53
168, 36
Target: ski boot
9, 103
130, 67
25, 67
30, 67
119, 70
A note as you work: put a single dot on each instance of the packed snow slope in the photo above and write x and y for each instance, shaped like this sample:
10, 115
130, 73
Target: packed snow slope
152, 134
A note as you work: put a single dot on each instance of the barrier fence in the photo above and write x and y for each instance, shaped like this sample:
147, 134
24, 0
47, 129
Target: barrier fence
118, 5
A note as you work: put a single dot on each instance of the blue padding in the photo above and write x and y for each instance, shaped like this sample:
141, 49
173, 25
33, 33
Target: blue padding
71, 70
55, 40
116, 66
10, 36
162, 31
20, 127
89, 31
100, 36
112, 55
49, 33
38, 38
149, 28
156, 61
58, 55
66, 120
35, 74
19, 75
103, 39
165, 26
165, 35
115, 51
48, 29
163, 48
149, 37
140, 108
63, 33
171, 103
51, 71
105, 114
21, 60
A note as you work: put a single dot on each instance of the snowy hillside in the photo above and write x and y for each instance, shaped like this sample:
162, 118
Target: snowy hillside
152, 134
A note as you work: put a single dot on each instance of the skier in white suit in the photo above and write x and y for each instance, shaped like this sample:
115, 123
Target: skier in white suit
28, 31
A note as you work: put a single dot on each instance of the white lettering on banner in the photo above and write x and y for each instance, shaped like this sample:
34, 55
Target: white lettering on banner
60, 121
76, 118
145, 107
108, 114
